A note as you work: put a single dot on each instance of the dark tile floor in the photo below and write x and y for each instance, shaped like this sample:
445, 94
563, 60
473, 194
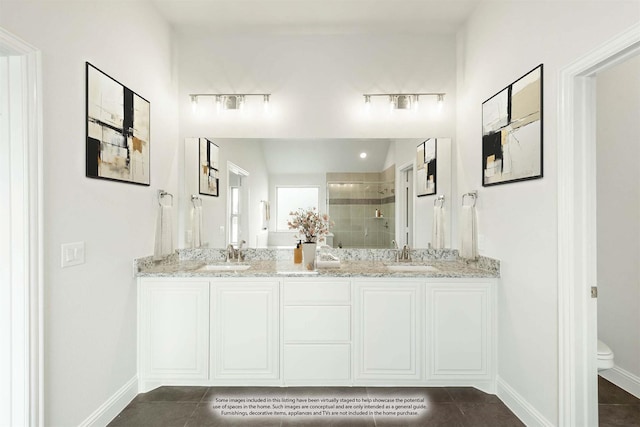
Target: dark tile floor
193, 407
616, 407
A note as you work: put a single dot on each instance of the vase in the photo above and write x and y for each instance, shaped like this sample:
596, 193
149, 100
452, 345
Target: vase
309, 255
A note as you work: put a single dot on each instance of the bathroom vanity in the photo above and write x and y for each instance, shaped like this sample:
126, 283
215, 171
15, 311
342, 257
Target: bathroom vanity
276, 324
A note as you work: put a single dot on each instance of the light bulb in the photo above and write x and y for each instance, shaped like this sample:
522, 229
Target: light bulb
194, 103
266, 103
440, 101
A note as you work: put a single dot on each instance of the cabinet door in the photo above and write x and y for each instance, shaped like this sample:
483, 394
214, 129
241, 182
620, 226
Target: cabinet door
245, 324
174, 330
459, 323
388, 344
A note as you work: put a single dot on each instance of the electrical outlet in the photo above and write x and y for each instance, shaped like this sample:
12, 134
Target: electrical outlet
72, 254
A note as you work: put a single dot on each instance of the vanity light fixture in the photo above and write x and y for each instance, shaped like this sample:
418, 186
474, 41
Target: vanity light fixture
194, 103
404, 101
229, 101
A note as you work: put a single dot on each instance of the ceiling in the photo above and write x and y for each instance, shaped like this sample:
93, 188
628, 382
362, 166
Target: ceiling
317, 16
318, 156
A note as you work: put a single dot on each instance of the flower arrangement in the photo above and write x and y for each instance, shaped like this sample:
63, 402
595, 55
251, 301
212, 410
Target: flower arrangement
309, 224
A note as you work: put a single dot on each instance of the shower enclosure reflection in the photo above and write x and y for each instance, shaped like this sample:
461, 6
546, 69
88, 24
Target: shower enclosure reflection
363, 208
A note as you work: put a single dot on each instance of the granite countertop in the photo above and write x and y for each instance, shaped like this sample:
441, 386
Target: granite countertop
286, 268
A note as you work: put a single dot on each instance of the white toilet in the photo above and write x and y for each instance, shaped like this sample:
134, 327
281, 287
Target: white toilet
605, 356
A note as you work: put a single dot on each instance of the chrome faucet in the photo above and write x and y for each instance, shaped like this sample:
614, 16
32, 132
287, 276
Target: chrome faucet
406, 253
236, 254
239, 252
395, 246
231, 252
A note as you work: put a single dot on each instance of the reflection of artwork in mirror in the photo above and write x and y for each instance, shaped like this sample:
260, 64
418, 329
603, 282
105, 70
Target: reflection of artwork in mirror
512, 132
426, 168
117, 131
209, 168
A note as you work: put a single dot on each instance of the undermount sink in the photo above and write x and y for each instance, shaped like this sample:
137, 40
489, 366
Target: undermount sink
224, 267
301, 272
411, 268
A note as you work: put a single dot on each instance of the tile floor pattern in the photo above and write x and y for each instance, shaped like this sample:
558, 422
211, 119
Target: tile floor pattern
616, 407
192, 407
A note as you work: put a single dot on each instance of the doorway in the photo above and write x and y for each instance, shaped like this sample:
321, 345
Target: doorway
238, 204
577, 254
21, 260
618, 229
405, 206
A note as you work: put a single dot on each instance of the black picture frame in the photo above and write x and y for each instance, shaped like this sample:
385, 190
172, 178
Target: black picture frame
118, 132
512, 131
426, 168
209, 168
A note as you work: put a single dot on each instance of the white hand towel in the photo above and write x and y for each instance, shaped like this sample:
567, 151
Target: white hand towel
468, 233
438, 231
196, 226
164, 233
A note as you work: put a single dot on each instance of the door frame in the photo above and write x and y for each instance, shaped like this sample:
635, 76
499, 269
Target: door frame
577, 251
232, 168
403, 201
25, 261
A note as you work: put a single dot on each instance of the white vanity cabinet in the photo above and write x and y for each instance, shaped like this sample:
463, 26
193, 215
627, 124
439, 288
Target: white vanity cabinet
460, 323
173, 337
388, 331
245, 331
316, 332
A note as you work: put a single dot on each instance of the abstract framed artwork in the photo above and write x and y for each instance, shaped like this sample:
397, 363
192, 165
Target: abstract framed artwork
118, 131
426, 181
209, 168
512, 132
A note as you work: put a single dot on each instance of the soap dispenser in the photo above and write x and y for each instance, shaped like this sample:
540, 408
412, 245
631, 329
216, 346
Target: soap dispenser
297, 253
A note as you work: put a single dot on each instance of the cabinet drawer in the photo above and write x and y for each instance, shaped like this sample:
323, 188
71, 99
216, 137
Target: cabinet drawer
317, 362
317, 293
317, 323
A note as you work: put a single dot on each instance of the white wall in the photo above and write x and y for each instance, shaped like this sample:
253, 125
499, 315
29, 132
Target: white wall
618, 186
90, 310
518, 222
317, 82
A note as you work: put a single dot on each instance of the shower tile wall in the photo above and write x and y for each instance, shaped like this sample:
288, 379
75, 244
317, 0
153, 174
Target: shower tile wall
353, 199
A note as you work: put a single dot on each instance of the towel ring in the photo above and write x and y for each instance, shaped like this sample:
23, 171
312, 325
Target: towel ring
161, 194
473, 195
195, 199
440, 199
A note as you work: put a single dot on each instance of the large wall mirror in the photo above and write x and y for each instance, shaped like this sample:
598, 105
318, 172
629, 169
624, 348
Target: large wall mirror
371, 188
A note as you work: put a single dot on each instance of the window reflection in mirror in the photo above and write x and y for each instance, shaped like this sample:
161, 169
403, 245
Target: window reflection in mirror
290, 199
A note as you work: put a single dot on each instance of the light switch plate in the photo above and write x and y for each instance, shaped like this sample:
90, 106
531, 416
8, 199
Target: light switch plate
72, 254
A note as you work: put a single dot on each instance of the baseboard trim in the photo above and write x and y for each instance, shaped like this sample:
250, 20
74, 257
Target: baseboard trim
519, 406
113, 406
624, 379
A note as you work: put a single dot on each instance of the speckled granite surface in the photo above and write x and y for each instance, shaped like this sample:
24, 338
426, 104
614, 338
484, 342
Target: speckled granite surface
353, 263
